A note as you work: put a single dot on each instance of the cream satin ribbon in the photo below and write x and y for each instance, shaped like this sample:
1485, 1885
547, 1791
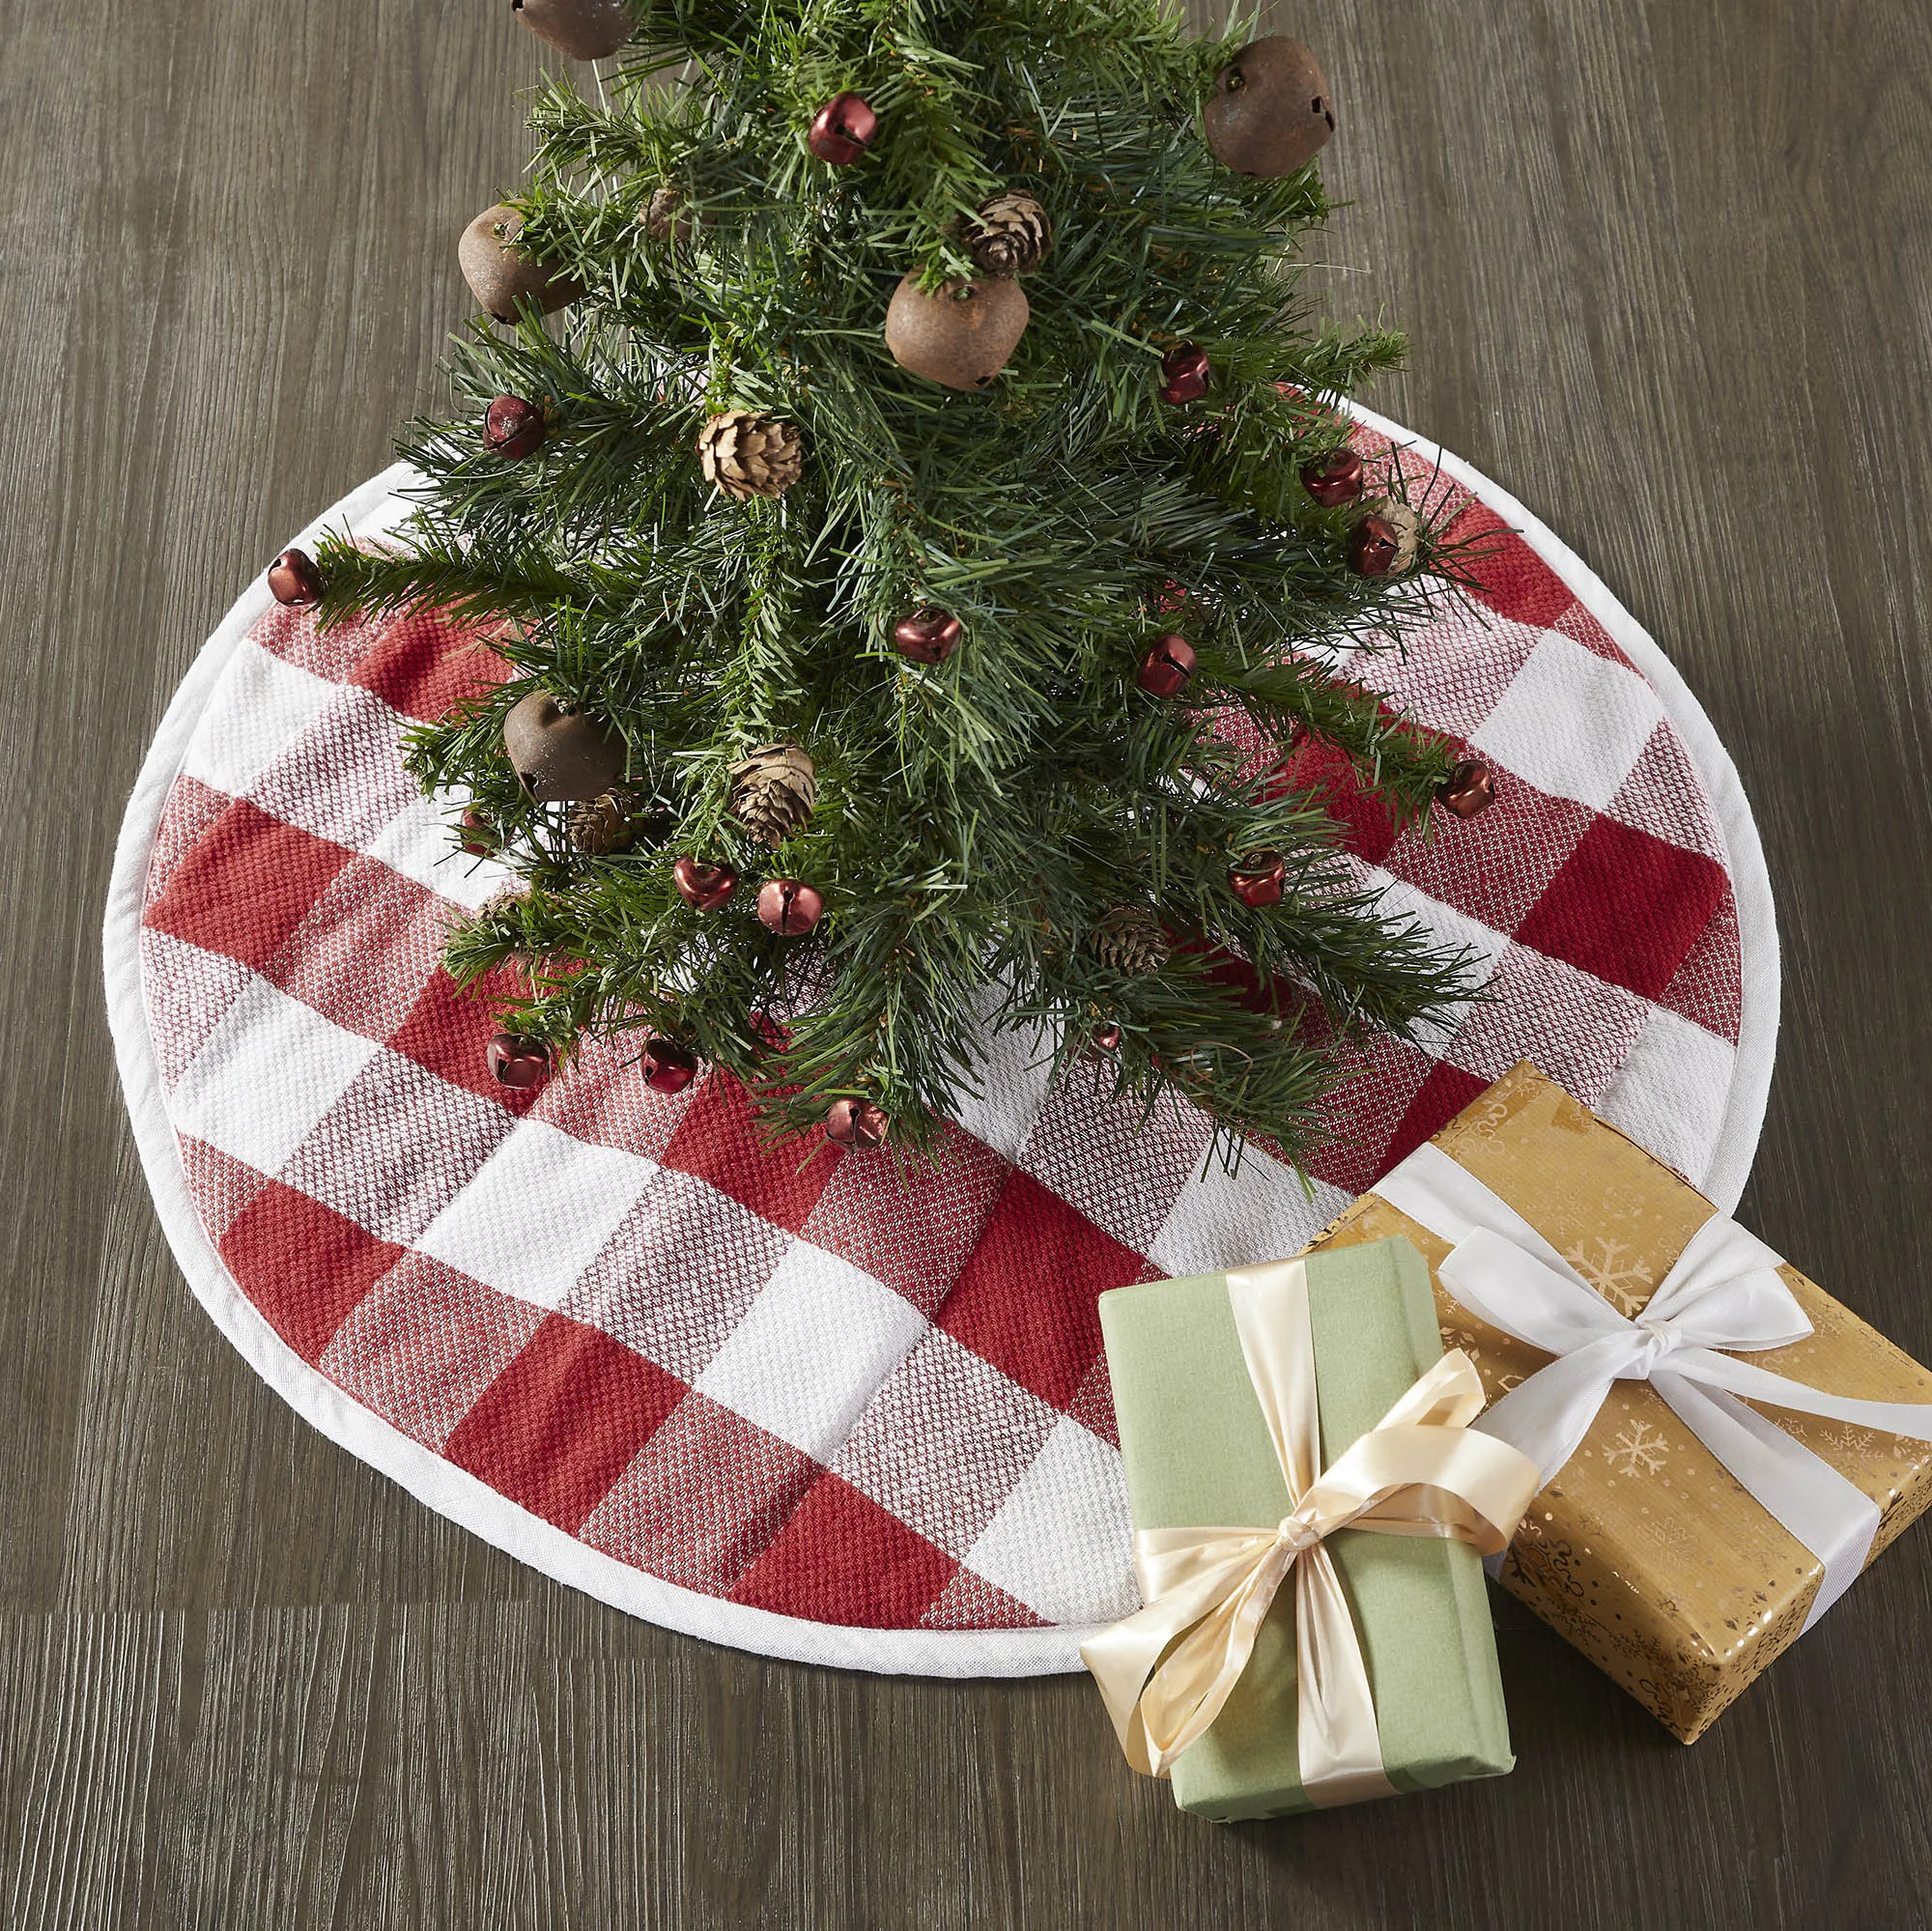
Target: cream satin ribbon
1724, 1293
1166, 1671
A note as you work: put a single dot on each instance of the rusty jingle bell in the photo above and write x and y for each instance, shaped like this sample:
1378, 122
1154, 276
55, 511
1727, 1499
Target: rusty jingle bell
293, 580
704, 886
1258, 878
843, 129
927, 635
1333, 479
517, 1062
789, 907
1183, 373
855, 1123
513, 428
669, 1067
1471, 788
1168, 665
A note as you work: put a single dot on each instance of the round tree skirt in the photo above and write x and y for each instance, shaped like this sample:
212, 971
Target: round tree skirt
807, 1405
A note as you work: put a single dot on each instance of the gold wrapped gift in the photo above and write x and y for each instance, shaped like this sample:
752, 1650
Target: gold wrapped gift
1643, 1548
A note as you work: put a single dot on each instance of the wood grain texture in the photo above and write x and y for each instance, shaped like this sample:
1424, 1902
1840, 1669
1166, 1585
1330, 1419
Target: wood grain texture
1669, 274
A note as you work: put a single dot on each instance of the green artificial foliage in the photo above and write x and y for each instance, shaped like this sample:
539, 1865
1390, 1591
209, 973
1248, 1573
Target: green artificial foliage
977, 819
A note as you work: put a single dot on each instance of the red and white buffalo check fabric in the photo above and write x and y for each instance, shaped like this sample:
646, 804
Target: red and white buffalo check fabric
821, 1390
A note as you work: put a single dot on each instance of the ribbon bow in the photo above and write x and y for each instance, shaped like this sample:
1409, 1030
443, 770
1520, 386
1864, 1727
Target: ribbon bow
1166, 1671
1724, 1293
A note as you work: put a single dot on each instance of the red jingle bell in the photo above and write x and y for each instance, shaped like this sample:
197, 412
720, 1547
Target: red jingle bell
1334, 479
855, 1123
295, 580
1374, 547
518, 1061
669, 1067
789, 907
479, 836
1106, 1037
1471, 788
513, 428
927, 635
706, 886
1166, 669
843, 129
1184, 374
1258, 879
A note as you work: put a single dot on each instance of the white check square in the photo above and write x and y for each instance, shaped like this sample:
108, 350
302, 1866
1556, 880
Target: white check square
419, 841
1448, 928
267, 1077
537, 1212
812, 1350
262, 704
1259, 1213
1062, 1542
1572, 723
1671, 1093
1014, 1070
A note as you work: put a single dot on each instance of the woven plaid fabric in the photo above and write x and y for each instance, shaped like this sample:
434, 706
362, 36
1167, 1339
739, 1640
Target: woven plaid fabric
828, 1390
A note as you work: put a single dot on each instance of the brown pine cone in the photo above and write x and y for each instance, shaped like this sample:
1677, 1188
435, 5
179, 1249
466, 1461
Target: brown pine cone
603, 825
1129, 940
663, 218
1408, 528
748, 454
773, 791
1010, 235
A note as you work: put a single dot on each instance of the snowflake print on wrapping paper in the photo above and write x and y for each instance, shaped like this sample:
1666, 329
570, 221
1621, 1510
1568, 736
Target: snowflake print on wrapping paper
1617, 1278
1639, 1450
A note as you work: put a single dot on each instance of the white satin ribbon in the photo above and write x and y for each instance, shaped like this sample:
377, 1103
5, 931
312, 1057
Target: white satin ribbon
1724, 1293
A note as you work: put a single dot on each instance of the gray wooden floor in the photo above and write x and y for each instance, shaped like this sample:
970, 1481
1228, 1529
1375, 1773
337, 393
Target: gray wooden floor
1668, 272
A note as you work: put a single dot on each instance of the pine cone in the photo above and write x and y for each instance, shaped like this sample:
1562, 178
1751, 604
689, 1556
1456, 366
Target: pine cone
1408, 528
603, 825
773, 791
1010, 235
1129, 940
663, 218
747, 454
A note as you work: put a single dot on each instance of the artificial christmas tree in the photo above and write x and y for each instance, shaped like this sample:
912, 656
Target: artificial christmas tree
822, 532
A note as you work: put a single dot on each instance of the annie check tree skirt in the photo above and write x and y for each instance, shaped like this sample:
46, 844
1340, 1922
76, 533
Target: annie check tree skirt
796, 1397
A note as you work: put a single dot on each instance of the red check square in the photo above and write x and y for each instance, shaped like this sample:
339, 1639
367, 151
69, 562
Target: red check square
562, 1421
448, 1030
1025, 1301
423, 668
843, 1559
717, 1139
304, 1264
1317, 767
246, 886
1445, 1093
1505, 572
1626, 907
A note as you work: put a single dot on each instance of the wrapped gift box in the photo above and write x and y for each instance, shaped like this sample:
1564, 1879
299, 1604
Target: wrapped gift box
1195, 1451
1643, 1549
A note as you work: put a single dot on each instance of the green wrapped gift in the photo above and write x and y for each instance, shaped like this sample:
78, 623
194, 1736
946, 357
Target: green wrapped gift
1197, 1452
